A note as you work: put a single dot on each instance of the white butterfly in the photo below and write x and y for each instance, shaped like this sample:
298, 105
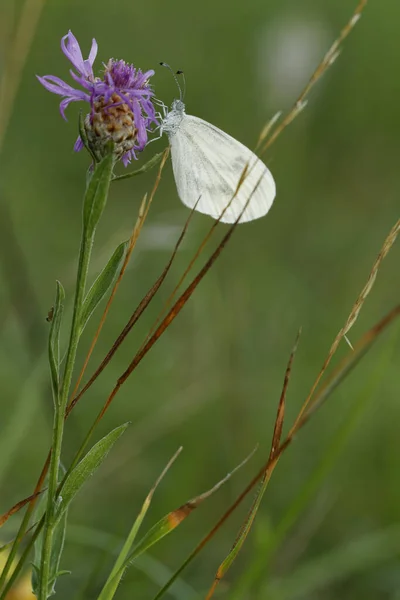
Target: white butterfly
208, 165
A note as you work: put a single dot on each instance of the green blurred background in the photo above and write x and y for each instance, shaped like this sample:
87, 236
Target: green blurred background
329, 526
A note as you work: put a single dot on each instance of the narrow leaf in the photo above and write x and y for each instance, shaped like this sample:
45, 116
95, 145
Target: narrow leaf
86, 468
276, 438
54, 340
102, 284
84, 138
35, 578
97, 193
170, 521
146, 167
277, 435
115, 576
11, 511
56, 552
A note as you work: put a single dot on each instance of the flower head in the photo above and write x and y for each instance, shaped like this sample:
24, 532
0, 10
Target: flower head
121, 107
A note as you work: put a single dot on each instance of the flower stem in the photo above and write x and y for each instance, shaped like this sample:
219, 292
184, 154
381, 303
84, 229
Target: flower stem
60, 406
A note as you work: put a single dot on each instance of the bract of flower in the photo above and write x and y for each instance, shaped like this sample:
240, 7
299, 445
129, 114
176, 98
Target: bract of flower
121, 107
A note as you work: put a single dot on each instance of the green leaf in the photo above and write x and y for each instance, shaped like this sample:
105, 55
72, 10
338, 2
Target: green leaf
146, 167
54, 340
276, 441
86, 468
97, 193
84, 137
111, 585
35, 579
102, 284
56, 552
169, 522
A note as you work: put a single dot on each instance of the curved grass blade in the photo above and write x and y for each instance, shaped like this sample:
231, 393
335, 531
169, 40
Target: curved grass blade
113, 581
170, 521
276, 440
103, 283
17, 507
152, 568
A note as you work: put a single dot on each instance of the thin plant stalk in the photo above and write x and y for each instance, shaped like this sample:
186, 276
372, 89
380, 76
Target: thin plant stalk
94, 203
60, 407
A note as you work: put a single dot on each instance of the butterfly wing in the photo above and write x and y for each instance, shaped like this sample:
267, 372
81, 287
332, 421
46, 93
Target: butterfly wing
208, 164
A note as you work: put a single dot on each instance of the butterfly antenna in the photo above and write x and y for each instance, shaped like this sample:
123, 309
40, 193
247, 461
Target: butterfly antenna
163, 64
184, 83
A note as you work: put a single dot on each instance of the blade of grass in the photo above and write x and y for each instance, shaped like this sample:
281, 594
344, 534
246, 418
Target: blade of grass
11, 511
113, 580
156, 571
354, 313
14, 574
276, 439
170, 521
321, 69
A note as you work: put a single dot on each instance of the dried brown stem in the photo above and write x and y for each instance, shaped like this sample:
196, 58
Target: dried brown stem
323, 66
143, 212
388, 243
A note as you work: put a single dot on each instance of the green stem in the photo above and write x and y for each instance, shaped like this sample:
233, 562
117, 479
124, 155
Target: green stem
21, 563
61, 404
14, 550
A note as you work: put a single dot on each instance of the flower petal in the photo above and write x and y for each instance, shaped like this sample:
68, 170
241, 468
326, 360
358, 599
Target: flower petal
64, 103
140, 125
143, 77
78, 146
58, 86
72, 50
82, 80
93, 52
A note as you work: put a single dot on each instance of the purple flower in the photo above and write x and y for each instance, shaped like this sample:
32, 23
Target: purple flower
121, 107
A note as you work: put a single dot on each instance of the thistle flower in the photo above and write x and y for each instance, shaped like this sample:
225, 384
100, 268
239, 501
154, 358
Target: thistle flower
121, 109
